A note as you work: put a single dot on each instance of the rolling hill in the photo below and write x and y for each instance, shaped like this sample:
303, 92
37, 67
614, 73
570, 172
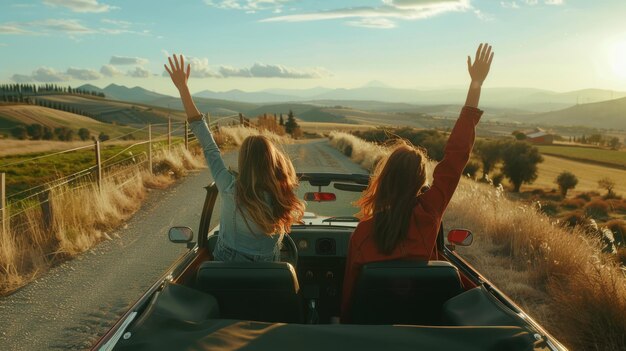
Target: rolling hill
14, 115
605, 115
111, 111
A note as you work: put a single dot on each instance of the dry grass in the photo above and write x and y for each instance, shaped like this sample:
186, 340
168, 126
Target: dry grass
236, 135
82, 217
327, 127
360, 151
558, 275
587, 174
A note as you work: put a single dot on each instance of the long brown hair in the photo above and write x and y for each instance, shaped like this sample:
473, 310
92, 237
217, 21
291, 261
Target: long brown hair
263, 169
390, 197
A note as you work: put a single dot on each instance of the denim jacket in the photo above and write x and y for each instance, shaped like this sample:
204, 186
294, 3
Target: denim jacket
240, 238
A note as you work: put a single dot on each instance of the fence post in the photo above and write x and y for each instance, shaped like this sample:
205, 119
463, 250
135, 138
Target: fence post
186, 135
149, 147
240, 118
169, 134
98, 164
3, 208
46, 209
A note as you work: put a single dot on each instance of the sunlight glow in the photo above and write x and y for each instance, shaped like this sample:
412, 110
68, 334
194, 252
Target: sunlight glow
618, 58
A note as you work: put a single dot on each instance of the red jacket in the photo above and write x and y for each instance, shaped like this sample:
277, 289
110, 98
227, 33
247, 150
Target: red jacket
427, 214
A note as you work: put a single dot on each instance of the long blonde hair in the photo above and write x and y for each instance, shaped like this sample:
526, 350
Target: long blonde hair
263, 169
391, 195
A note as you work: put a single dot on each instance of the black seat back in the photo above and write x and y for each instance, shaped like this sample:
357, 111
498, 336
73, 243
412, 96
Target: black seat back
404, 292
258, 291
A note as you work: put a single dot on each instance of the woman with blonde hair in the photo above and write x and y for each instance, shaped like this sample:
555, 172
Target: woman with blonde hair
259, 204
400, 216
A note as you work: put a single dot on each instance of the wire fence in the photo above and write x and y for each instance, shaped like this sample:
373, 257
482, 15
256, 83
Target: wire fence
117, 163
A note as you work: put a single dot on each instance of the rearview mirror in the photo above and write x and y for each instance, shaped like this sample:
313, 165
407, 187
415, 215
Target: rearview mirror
180, 235
320, 197
460, 237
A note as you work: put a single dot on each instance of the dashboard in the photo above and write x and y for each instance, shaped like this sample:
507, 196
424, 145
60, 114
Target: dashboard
322, 259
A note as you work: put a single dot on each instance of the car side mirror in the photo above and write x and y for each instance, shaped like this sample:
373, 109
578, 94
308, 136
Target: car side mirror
460, 237
180, 235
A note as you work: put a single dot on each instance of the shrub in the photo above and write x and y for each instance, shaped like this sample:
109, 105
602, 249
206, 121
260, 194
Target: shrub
618, 227
597, 209
497, 179
584, 196
549, 208
608, 184
573, 204
617, 205
574, 219
470, 169
566, 181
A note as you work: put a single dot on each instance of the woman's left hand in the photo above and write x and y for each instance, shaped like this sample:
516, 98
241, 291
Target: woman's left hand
177, 71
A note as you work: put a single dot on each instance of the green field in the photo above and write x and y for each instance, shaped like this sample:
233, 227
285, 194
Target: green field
609, 157
21, 176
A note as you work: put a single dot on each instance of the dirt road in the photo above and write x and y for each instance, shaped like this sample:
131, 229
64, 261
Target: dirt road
72, 305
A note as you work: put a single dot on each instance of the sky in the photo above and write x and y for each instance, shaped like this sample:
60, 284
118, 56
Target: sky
252, 45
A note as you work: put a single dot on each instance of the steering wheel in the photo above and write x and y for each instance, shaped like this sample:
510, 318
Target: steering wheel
289, 251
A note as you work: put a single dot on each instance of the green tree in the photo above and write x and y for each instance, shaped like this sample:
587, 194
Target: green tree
84, 134
35, 131
614, 143
103, 137
518, 135
566, 181
47, 133
19, 132
291, 125
489, 152
520, 163
608, 184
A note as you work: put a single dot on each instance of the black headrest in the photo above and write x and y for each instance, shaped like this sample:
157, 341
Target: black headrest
403, 292
257, 276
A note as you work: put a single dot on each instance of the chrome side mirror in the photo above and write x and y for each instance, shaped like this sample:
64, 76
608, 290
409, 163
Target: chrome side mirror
180, 235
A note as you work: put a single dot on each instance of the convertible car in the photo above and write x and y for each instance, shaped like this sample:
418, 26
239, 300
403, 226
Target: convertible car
202, 304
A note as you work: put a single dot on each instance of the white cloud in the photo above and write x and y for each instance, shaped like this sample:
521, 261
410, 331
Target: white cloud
63, 25
249, 6
83, 74
139, 72
125, 60
80, 5
200, 67
372, 23
49, 75
390, 9
519, 3
72, 27
260, 70
11, 28
110, 71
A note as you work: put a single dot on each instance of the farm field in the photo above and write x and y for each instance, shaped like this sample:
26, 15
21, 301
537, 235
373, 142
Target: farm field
325, 127
588, 175
13, 115
611, 157
21, 176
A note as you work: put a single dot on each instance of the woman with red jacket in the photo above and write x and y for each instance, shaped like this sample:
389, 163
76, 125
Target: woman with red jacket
399, 220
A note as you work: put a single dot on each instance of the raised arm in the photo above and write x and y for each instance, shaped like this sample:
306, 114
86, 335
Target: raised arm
448, 172
198, 125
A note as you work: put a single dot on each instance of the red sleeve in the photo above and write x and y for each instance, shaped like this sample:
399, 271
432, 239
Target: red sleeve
353, 267
456, 154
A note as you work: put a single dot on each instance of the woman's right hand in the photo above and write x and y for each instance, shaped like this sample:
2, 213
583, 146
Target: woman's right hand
177, 71
482, 63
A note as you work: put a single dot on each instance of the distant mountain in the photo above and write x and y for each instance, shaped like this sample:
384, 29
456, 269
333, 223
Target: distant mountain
240, 95
607, 114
